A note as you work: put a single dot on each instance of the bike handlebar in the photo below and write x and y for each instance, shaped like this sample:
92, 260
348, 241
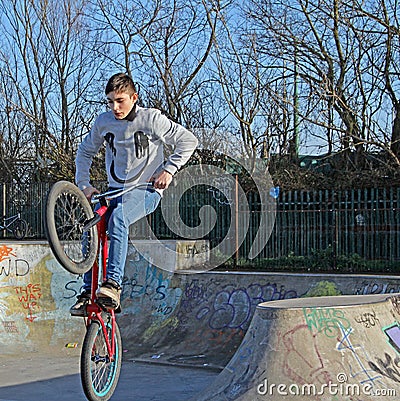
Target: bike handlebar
105, 196
114, 193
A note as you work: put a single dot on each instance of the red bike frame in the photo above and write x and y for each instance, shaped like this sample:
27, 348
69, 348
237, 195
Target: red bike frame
94, 310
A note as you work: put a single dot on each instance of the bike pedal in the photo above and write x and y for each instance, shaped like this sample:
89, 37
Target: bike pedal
109, 303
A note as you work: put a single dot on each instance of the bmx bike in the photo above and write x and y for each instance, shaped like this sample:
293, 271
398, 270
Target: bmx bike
15, 225
78, 239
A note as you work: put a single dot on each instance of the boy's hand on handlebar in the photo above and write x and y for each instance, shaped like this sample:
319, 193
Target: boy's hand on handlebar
161, 180
89, 192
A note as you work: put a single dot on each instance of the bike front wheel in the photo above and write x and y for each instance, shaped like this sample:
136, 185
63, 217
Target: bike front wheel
99, 372
67, 211
20, 229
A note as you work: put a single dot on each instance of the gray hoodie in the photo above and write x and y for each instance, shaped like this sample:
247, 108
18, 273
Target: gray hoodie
134, 149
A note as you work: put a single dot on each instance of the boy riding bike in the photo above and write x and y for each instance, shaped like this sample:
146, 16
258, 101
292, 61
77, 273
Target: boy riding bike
134, 138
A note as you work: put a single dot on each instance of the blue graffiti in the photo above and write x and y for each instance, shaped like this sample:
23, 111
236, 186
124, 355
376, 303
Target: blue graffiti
232, 308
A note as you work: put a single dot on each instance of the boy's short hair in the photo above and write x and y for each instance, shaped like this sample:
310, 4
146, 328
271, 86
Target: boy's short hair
120, 83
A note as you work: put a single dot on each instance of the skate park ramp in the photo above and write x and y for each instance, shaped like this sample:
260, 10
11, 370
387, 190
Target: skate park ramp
255, 326
327, 348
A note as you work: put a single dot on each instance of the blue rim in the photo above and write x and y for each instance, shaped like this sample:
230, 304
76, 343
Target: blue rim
111, 376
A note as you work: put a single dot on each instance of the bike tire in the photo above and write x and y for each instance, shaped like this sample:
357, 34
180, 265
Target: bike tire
66, 212
99, 375
20, 228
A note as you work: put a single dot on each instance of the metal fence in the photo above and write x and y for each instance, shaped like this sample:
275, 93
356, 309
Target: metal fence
29, 200
354, 230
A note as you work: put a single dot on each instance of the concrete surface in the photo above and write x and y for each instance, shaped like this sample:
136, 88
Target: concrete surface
342, 348
35, 377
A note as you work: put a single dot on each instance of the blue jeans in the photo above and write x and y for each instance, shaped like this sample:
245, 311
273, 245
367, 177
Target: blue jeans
121, 213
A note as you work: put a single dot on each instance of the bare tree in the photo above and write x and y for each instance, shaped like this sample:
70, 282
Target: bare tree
46, 63
309, 36
163, 45
346, 55
378, 35
240, 80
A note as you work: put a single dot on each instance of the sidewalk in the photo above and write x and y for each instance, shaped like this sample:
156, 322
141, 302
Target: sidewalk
42, 377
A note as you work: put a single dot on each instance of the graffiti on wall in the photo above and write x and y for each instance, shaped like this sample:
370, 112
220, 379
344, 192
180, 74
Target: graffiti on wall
28, 297
5, 252
329, 330
146, 287
10, 326
216, 307
326, 320
300, 364
10, 264
368, 287
31, 307
225, 306
367, 319
357, 357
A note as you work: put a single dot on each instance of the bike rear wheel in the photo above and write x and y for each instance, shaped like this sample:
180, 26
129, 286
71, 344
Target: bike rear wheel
20, 228
100, 374
67, 210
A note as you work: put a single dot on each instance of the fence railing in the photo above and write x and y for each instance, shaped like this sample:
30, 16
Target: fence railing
29, 200
354, 230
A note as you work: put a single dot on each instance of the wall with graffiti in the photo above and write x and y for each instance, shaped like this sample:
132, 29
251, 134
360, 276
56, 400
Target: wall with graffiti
202, 318
180, 318
33, 300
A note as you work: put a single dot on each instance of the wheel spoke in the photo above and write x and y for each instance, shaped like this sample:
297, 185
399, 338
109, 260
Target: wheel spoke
67, 210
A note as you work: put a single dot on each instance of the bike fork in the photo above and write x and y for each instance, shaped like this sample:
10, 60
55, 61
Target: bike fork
95, 313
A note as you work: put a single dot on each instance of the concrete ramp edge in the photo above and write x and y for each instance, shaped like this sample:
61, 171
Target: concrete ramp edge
327, 348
